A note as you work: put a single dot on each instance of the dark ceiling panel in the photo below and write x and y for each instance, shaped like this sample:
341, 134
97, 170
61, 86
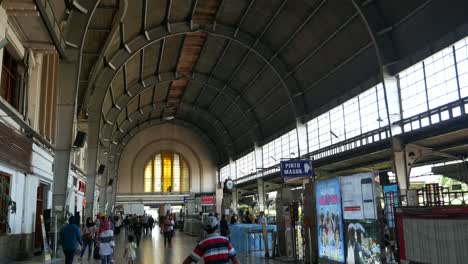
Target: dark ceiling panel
146, 96
133, 69
444, 17
171, 53
161, 91
210, 54
277, 122
273, 100
118, 84
206, 97
221, 105
156, 13
180, 10
247, 72
334, 86
192, 91
259, 15
266, 82
132, 20
330, 18
295, 13
337, 51
231, 11
151, 59
230, 61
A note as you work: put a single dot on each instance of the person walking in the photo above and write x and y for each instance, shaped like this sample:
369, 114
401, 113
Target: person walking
130, 250
167, 229
145, 224
224, 227
151, 224
215, 248
137, 230
106, 242
70, 238
233, 219
88, 233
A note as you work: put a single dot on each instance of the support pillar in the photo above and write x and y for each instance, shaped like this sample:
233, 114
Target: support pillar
235, 200
283, 222
93, 143
261, 194
302, 143
394, 103
232, 169
400, 165
258, 153
104, 193
66, 112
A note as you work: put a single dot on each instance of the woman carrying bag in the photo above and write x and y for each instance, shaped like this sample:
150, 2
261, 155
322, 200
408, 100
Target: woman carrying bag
88, 234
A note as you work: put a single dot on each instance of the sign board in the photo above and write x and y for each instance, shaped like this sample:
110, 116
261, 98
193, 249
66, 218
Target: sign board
185, 199
329, 220
208, 200
358, 193
296, 168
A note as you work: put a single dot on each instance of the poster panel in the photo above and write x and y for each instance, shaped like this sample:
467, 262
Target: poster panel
362, 242
389, 192
329, 220
358, 194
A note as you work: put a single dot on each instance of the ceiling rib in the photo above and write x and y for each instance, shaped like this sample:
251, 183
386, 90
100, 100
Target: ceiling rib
137, 89
203, 13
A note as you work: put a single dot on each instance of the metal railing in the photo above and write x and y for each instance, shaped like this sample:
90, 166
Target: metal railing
434, 116
352, 143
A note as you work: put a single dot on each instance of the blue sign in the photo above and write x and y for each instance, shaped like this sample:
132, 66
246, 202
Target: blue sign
185, 199
296, 168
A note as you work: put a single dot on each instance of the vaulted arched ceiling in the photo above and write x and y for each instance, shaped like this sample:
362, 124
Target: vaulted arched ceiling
243, 71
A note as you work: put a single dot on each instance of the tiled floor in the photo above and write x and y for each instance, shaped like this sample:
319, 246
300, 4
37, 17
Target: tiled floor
152, 251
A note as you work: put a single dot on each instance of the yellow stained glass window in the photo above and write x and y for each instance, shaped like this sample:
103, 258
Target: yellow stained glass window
149, 177
185, 179
167, 172
176, 174
157, 173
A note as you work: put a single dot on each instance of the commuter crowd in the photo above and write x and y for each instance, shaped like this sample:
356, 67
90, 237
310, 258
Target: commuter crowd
96, 238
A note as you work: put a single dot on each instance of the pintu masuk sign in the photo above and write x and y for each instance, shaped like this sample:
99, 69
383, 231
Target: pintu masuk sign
296, 168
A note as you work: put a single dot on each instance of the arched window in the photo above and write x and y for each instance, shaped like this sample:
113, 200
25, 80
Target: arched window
167, 172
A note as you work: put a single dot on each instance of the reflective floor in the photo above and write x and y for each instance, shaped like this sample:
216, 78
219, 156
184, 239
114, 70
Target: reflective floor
152, 250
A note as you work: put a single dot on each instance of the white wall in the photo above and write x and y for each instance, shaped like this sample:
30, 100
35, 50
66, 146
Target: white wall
42, 164
164, 137
23, 190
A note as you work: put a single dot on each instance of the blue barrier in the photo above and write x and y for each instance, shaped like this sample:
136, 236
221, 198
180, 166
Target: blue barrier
249, 237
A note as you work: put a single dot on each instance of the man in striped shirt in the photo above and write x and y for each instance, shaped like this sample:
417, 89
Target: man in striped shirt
215, 249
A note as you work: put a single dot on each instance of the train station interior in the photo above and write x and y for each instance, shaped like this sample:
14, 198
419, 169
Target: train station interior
286, 131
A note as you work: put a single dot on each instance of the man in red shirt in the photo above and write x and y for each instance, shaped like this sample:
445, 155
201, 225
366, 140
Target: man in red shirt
215, 248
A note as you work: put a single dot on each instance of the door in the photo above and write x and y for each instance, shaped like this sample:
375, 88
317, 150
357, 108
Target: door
39, 211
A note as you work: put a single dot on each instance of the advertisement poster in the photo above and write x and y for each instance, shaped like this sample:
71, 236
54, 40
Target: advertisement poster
329, 220
358, 196
362, 242
389, 192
